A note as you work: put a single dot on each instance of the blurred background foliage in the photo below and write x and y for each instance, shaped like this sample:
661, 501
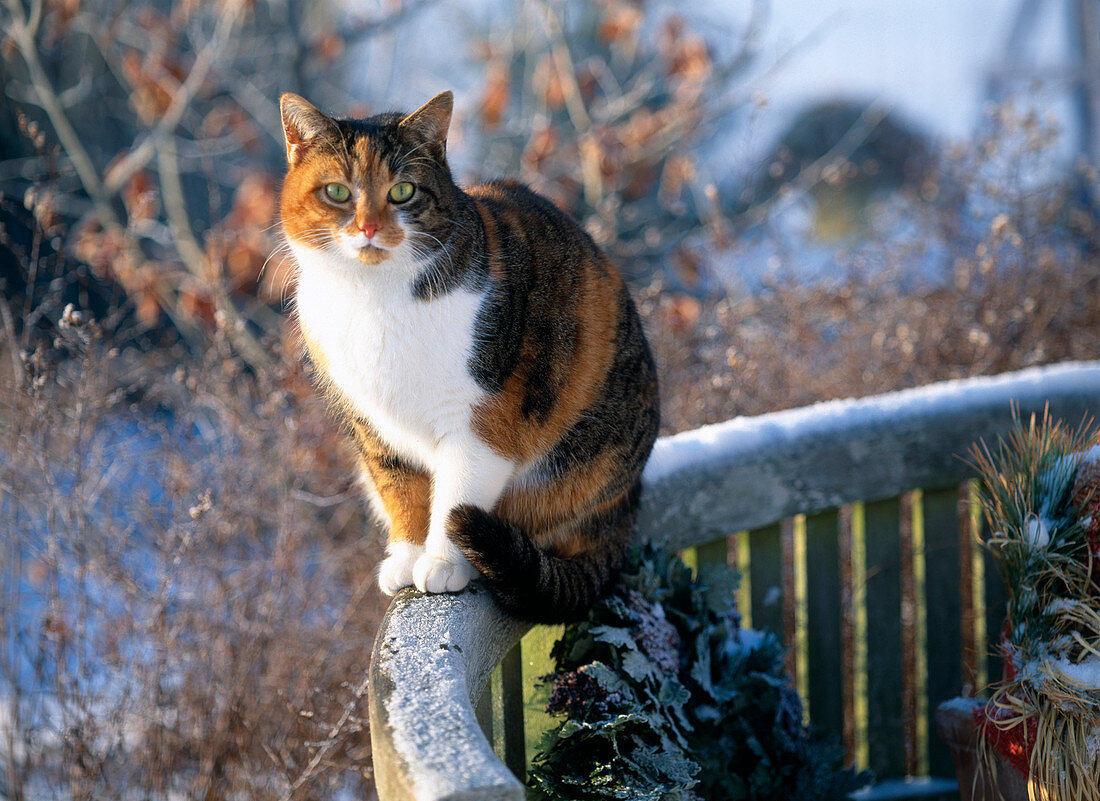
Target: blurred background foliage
188, 596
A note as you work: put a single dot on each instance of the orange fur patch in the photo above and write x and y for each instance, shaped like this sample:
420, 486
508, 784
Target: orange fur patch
405, 493
549, 512
499, 420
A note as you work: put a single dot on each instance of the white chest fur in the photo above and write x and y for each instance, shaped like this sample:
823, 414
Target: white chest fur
400, 361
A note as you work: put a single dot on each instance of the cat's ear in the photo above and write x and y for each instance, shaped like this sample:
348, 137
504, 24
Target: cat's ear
431, 121
302, 124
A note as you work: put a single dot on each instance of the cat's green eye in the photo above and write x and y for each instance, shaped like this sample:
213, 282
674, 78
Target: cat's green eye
401, 192
337, 192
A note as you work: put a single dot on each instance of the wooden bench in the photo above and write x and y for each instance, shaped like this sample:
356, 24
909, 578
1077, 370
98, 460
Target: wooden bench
852, 523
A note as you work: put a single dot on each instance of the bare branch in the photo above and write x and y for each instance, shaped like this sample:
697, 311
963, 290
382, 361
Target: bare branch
171, 191
35, 18
574, 103
140, 155
191, 252
333, 739
750, 38
13, 349
356, 30
22, 34
567, 71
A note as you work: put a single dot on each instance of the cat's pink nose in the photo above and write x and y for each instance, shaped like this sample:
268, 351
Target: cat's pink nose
368, 227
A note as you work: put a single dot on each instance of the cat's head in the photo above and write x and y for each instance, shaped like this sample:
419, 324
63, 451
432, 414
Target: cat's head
367, 189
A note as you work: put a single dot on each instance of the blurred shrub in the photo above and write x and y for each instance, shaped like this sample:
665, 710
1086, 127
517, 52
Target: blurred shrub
188, 586
603, 108
152, 131
990, 264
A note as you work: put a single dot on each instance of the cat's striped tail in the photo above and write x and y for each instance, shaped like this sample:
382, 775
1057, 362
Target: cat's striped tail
528, 582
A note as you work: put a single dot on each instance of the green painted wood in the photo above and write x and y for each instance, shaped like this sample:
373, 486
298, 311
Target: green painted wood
739, 547
514, 745
995, 610
766, 570
944, 633
968, 622
495, 731
712, 553
990, 594
826, 681
536, 665
690, 557
484, 709
884, 650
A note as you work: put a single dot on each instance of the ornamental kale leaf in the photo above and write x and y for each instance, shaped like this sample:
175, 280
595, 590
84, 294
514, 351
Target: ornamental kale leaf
666, 698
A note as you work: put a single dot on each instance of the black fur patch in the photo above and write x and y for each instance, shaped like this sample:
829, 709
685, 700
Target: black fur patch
531, 584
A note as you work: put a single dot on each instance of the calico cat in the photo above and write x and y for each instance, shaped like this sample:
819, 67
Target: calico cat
485, 356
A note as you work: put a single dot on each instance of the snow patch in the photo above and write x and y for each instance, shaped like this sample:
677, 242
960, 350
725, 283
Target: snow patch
721, 441
1084, 674
1038, 531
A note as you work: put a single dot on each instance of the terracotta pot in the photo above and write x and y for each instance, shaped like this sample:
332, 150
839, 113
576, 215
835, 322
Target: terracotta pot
955, 721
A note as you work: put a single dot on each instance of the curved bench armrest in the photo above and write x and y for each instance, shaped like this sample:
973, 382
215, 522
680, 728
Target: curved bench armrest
432, 660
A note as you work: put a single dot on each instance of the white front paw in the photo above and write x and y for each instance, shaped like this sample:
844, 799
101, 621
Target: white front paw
438, 574
396, 570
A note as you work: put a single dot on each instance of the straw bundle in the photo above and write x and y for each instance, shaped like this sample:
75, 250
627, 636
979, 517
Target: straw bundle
1040, 493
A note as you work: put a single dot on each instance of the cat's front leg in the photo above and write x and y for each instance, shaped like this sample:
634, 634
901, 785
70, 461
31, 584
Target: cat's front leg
401, 495
468, 472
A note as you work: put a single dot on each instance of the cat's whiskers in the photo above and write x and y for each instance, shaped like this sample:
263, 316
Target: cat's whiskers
405, 158
309, 237
281, 221
290, 277
430, 263
443, 249
419, 160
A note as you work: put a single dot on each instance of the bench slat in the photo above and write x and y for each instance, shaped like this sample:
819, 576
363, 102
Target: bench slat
944, 631
886, 744
825, 681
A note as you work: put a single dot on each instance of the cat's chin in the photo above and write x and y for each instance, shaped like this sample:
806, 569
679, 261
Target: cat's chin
371, 255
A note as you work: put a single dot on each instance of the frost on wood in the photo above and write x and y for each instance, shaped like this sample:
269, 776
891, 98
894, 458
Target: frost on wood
432, 658
749, 472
